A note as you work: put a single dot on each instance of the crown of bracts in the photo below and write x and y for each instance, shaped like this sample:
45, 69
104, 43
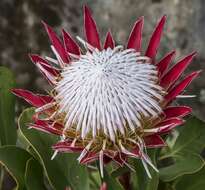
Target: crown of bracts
109, 102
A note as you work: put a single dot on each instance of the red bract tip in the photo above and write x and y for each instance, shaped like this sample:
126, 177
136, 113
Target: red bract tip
135, 38
168, 124
155, 39
56, 43
33, 99
177, 111
109, 42
175, 72
45, 68
164, 63
36, 59
90, 29
175, 91
70, 45
154, 141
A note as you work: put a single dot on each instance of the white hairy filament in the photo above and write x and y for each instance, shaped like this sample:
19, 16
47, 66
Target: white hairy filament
108, 91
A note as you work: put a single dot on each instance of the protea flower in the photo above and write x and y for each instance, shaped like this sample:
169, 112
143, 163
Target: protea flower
109, 102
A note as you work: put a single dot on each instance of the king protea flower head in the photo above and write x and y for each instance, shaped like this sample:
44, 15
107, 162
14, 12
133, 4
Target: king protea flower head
109, 102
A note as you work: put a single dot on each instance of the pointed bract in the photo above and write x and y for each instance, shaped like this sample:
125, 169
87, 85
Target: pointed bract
66, 146
57, 43
165, 62
135, 38
45, 128
168, 124
175, 91
177, 111
109, 42
90, 29
175, 72
33, 99
89, 157
70, 45
154, 141
37, 59
155, 39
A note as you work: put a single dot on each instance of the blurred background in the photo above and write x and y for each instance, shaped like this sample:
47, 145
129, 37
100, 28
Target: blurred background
21, 32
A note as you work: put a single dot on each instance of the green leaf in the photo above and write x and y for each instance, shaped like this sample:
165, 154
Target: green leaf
185, 153
141, 179
78, 174
7, 105
112, 183
192, 181
34, 178
95, 180
64, 170
14, 159
119, 171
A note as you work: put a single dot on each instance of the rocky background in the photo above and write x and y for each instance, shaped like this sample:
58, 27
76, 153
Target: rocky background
21, 32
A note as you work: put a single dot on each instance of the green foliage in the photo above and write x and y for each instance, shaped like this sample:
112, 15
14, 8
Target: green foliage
15, 159
112, 183
192, 181
7, 108
62, 171
140, 178
186, 151
34, 178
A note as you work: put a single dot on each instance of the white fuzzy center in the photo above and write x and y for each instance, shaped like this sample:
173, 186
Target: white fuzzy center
108, 91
